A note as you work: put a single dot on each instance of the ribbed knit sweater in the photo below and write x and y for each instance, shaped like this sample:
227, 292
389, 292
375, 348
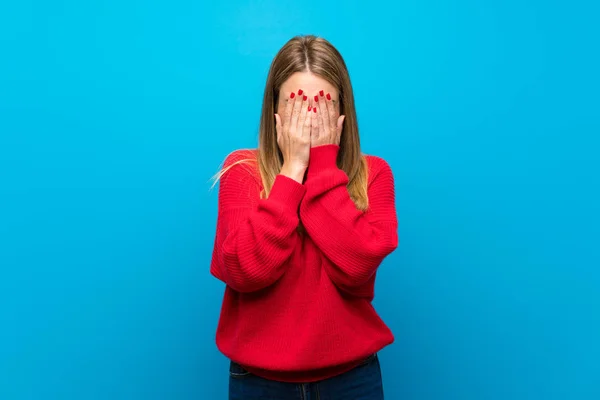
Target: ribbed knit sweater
298, 307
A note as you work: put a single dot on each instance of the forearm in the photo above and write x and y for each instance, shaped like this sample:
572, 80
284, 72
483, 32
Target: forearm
252, 246
356, 241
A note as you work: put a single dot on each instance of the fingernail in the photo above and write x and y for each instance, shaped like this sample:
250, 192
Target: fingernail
328, 96
316, 98
315, 110
292, 95
321, 93
305, 97
300, 92
309, 107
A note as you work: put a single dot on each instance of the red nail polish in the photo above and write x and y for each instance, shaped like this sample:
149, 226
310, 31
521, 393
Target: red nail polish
309, 107
300, 92
304, 98
316, 98
328, 96
315, 110
292, 95
321, 93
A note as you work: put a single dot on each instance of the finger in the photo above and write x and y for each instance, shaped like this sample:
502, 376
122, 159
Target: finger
340, 125
332, 112
320, 113
303, 112
323, 114
287, 114
314, 125
278, 127
296, 111
307, 122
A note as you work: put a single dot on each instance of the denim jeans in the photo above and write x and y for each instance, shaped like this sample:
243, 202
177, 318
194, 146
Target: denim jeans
361, 383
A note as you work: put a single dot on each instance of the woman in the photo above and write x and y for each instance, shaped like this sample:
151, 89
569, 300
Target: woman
303, 223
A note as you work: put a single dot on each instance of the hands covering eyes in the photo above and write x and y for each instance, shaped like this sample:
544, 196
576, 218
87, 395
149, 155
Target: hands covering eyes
307, 122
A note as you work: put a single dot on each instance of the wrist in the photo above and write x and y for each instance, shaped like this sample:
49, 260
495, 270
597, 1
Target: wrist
295, 172
322, 158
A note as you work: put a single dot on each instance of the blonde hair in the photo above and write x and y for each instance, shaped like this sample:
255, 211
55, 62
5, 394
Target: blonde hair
316, 55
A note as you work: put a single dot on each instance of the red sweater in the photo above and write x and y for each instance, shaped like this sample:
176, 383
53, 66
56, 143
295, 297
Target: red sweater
297, 308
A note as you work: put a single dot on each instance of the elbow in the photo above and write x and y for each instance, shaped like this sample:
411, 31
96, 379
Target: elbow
359, 273
348, 276
357, 277
248, 285
355, 281
246, 278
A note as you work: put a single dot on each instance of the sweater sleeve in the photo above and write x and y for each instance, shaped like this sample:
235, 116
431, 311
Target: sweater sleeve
355, 242
254, 237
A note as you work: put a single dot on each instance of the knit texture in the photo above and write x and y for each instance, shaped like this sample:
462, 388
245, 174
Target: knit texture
297, 307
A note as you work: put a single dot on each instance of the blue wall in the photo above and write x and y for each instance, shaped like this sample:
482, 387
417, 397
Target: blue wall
114, 115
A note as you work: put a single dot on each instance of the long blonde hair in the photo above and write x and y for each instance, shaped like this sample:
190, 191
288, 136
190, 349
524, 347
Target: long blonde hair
316, 55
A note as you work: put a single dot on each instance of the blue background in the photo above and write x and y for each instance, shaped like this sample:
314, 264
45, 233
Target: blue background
114, 115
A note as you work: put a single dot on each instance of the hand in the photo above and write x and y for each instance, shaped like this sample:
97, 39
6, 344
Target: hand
293, 133
327, 127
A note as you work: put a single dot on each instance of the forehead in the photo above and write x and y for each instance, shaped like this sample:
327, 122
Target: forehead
308, 82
